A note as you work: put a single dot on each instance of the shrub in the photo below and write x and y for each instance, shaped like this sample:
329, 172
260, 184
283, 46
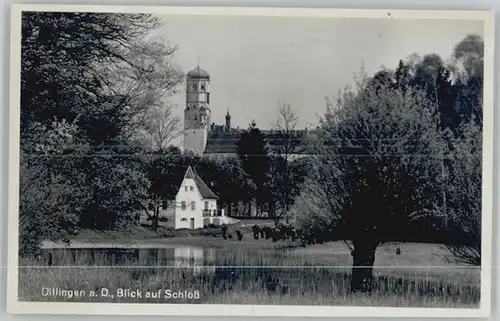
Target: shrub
239, 234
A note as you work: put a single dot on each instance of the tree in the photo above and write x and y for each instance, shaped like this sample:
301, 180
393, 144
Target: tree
253, 155
457, 89
233, 186
456, 86
52, 190
97, 74
464, 195
468, 58
428, 69
465, 166
286, 141
118, 184
161, 126
94, 69
378, 169
432, 76
165, 171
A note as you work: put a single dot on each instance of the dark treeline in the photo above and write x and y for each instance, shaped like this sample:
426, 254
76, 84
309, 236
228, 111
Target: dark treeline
246, 184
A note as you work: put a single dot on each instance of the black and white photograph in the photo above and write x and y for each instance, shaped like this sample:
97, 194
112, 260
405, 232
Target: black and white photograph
250, 161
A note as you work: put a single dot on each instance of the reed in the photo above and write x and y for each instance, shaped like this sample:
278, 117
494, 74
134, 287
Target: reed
250, 276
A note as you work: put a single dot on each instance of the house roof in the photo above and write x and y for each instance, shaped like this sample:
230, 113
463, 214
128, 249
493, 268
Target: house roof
189, 173
205, 191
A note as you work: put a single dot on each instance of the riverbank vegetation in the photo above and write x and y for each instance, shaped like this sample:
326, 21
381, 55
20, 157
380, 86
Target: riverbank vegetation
232, 274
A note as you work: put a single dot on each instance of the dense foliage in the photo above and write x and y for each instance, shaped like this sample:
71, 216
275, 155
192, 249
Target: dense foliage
401, 153
87, 81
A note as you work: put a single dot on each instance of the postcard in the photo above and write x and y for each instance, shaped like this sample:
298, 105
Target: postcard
250, 161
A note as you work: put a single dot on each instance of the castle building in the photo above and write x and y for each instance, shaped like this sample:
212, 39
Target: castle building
197, 111
205, 138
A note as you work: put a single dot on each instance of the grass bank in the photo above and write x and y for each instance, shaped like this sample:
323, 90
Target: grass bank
318, 275
144, 233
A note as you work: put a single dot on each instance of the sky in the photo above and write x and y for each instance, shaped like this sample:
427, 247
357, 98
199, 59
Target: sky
256, 63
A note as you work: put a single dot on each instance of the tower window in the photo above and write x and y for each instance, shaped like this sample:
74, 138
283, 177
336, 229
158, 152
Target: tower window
194, 117
203, 86
193, 86
208, 98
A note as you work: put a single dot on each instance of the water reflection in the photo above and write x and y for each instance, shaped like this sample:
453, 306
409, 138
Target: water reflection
196, 258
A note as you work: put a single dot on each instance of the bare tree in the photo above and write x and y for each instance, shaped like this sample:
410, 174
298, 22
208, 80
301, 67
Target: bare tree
286, 128
143, 83
160, 126
286, 140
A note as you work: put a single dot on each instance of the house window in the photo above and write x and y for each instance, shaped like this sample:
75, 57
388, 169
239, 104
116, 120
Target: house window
185, 188
206, 205
184, 219
195, 117
193, 205
183, 205
208, 98
164, 204
191, 188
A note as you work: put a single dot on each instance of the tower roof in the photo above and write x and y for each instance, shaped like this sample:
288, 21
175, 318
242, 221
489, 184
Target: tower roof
198, 73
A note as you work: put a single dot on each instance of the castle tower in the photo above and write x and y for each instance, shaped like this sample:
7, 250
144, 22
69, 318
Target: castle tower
197, 111
228, 121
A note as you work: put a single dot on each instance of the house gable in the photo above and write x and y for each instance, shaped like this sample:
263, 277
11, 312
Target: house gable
187, 187
203, 190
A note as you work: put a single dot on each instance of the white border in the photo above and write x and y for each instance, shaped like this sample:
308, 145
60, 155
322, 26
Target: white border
15, 306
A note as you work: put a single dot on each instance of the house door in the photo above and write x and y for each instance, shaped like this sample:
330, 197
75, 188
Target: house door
192, 223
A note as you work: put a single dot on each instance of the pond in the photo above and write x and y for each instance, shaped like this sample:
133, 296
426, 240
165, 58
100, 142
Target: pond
182, 256
217, 268
191, 257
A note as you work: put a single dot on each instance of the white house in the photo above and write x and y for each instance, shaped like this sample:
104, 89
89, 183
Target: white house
196, 204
